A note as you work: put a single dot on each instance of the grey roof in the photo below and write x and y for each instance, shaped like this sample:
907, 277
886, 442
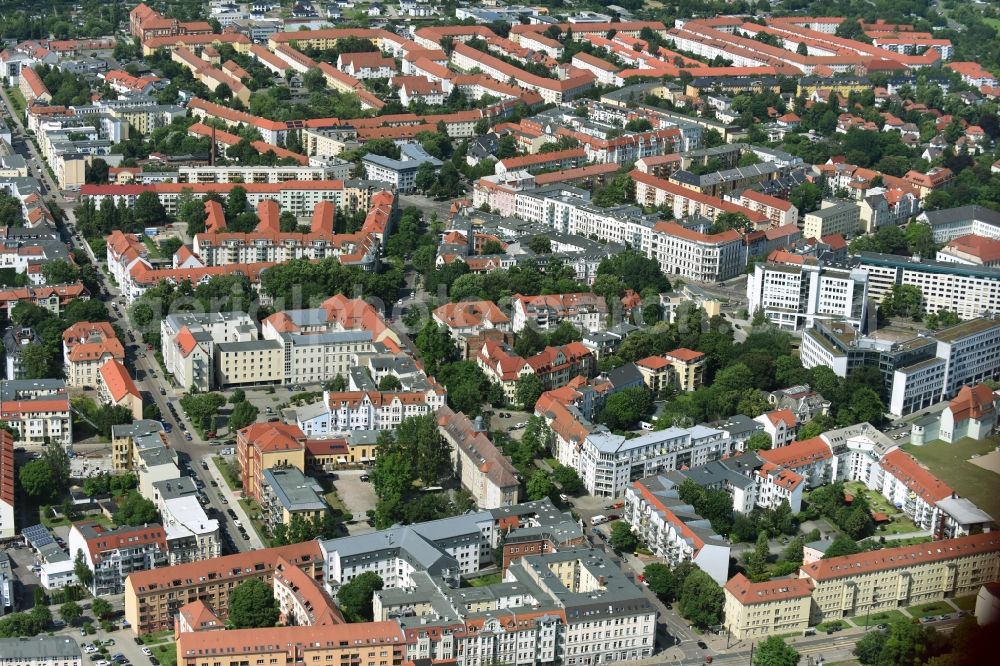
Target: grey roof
295, 490
360, 437
12, 388
929, 265
249, 345
17, 338
308, 317
402, 541
738, 425
153, 457
40, 648
136, 429
180, 487
607, 442
735, 471
625, 375
962, 214
964, 511
333, 337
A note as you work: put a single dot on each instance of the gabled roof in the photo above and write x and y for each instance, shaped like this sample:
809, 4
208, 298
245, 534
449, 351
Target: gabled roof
972, 402
798, 454
117, 380
748, 593
916, 478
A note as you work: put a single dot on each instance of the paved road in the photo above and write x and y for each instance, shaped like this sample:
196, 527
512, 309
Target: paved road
140, 361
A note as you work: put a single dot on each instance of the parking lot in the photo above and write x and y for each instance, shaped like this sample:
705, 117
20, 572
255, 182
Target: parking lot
358, 497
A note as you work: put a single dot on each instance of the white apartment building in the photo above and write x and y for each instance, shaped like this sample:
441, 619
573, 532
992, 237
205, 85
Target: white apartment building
341, 412
245, 174
697, 256
227, 248
37, 410
607, 463
672, 529
951, 223
793, 291
191, 535
447, 548
189, 343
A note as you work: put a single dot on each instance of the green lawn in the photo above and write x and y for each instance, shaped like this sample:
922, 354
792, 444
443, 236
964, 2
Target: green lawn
229, 473
483, 581
822, 627
966, 603
950, 463
154, 249
17, 99
158, 637
993, 22
882, 617
933, 608
166, 653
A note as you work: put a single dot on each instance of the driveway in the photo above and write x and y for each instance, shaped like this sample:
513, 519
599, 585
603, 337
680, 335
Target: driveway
358, 497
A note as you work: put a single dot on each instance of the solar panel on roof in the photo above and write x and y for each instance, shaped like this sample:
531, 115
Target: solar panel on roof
37, 536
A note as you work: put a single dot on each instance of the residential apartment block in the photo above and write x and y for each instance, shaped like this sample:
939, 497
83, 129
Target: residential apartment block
480, 466
114, 554
833, 217
584, 310
758, 610
37, 410
344, 411
287, 493
672, 529
41, 651
191, 535
793, 291
152, 598
893, 578
7, 487
87, 346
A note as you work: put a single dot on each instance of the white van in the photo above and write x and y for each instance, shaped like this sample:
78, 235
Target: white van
598, 520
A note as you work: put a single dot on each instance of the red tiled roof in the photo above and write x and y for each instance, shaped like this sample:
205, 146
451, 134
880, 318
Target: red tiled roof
685, 355
916, 478
906, 556
119, 383
748, 593
985, 249
972, 402
798, 454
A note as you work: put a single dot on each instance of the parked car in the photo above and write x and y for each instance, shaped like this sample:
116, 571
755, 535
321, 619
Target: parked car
702, 645
613, 516
146, 651
365, 477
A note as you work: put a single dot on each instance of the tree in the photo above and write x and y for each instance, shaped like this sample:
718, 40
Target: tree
802, 49
425, 177
38, 480
238, 396
36, 362
624, 408
816, 427
134, 509
149, 212
236, 202
540, 244
903, 300
701, 599
622, 538
568, 479
866, 406
252, 605
83, 572
101, 608
842, 545
244, 414
390, 383
920, 240
355, 596
759, 441
314, 81
757, 559
539, 486
806, 197
70, 612
660, 579
60, 271
527, 391
775, 652
903, 644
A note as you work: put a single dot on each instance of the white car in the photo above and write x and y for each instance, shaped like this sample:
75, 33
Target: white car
103, 662
146, 651
90, 649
